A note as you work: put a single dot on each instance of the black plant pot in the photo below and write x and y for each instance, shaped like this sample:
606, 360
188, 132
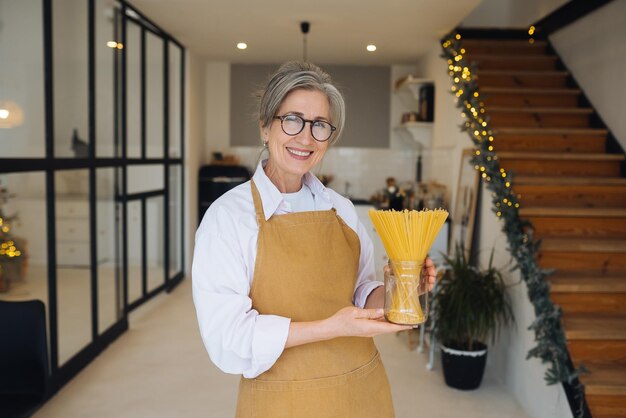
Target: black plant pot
464, 369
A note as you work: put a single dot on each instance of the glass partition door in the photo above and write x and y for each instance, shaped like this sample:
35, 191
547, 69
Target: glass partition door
90, 168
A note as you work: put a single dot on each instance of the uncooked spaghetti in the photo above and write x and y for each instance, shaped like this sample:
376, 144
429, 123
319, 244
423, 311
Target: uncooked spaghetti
407, 237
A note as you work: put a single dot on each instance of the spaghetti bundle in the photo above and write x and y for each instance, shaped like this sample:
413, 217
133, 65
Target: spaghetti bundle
407, 237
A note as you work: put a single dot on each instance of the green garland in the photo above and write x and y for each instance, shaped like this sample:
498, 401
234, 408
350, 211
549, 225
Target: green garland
550, 338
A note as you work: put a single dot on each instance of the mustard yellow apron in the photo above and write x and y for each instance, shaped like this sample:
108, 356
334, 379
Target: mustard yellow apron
306, 269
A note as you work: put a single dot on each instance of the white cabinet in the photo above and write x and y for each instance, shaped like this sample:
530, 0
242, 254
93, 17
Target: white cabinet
73, 232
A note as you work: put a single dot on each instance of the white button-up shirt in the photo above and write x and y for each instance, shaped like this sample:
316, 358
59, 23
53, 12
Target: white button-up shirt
238, 339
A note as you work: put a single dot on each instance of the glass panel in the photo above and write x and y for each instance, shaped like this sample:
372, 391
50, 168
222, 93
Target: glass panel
73, 246
154, 96
175, 242
106, 50
134, 251
174, 100
133, 89
23, 274
109, 274
69, 26
144, 178
22, 129
155, 243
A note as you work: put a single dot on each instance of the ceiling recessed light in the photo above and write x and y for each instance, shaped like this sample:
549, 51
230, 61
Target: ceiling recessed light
112, 44
242, 45
371, 47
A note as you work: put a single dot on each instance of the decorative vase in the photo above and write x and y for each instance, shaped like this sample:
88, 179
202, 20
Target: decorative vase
464, 369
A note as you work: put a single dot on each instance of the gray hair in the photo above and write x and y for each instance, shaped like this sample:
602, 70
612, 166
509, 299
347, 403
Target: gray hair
301, 75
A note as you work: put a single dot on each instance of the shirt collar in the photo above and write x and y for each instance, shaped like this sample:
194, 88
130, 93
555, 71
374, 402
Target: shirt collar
272, 199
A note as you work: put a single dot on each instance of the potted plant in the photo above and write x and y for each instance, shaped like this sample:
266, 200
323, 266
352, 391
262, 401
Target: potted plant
470, 306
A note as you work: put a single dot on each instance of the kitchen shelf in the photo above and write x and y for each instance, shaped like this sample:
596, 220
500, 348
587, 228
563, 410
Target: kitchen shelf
419, 132
412, 85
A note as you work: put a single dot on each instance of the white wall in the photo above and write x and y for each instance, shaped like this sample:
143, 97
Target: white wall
507, 359
508, 14
593, 49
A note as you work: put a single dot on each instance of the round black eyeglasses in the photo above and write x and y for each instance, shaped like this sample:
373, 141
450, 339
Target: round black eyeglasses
292, 125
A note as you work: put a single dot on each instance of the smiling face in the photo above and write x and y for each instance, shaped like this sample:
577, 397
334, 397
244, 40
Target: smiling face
293, 156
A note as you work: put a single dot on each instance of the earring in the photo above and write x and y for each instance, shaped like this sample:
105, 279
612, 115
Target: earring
265, 144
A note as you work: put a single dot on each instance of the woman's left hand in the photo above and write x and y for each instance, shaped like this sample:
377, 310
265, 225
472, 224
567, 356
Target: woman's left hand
429, 273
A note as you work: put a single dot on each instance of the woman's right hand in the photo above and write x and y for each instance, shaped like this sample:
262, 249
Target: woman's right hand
356, 322
347, 322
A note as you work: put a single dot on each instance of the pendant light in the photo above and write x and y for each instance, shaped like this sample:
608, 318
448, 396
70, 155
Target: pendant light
304, 28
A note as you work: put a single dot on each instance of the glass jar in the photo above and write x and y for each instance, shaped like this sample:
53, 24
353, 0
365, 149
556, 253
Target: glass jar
406, 293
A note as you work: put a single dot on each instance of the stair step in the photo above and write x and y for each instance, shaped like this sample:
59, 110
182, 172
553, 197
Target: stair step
593, 337
598, 348
531, 91
512, 62
607, 406
578, 227
590, 302
505, 78
545, 117
570, 181
561, 164
587, 284
546, 97
548, 131
560, 156
599, 327
507, 47
580, 195
596, 262
572, 212
549, 139
584, 245
554, 110
606, 378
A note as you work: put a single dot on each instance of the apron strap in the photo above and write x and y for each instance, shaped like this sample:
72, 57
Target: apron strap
258, 205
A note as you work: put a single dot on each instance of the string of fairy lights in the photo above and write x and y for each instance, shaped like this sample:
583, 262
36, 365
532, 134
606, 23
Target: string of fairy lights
9, 250
550, 339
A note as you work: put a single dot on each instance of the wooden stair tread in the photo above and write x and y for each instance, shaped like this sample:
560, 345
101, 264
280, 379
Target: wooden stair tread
524, 72
511, 56
587, 284
605, 378
556, 131
566, 181
560, 156
498, 42
573, 212
583, 245
597, 327
527, 109
529, 90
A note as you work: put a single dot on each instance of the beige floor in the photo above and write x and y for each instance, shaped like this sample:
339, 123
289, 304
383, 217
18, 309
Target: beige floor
159, 368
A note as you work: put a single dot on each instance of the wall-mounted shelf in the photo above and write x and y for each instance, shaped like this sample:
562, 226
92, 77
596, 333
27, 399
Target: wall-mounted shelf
419, 132
412, 85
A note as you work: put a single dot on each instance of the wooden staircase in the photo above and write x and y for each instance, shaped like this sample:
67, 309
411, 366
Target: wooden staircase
574, 194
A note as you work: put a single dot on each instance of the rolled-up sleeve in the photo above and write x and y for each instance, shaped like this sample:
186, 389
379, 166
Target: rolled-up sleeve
237, 338
366, 279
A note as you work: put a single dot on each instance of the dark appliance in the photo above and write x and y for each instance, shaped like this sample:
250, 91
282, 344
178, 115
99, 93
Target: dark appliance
215, 180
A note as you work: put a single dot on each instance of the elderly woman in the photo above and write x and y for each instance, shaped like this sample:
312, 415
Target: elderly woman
283, 275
